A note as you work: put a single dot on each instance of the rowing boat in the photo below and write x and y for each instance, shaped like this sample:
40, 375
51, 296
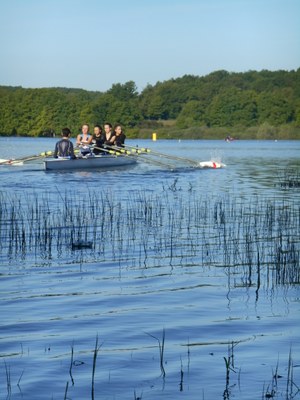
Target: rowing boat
102, 161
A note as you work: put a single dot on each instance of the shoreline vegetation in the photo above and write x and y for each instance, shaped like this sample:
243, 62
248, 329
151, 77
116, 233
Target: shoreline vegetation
262, 105
168, 130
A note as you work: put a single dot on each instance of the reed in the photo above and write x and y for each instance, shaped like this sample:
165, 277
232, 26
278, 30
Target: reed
292, 390
136, 397
259, 238
66, 391
71, 364
289, 178
8, 380
181, 377
96, 350
274, 390
229, 364
280, 386
161, 347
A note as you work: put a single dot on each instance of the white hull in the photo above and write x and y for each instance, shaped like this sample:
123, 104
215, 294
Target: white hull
88, 163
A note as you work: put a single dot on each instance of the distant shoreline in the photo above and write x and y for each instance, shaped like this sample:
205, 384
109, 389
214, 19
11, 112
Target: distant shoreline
202, 133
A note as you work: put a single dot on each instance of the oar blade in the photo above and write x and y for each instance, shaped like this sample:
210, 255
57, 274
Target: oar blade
21, 160
211, 164
10, 162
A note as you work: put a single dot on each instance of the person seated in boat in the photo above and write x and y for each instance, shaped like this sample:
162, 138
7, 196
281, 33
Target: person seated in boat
229, 138
64, 148
109, 134
98, 140
84, 140
119, 136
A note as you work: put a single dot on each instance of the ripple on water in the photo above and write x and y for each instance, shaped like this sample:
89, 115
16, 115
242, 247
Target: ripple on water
182, 252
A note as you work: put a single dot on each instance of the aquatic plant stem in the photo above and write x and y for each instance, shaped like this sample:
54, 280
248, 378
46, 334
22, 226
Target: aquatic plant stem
71, 364
161, 345
94, 367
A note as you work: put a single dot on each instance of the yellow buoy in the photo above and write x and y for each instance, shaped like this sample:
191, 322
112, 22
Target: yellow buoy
154, 136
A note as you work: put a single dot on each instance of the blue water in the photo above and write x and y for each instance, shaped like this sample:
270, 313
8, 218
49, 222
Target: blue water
174, 269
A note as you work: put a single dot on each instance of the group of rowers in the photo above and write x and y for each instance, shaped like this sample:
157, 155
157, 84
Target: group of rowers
90, 145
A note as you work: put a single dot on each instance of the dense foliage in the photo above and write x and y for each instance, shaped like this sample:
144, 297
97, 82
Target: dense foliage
259, 102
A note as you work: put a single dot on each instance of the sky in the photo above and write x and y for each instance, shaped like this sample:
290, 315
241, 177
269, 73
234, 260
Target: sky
93, 44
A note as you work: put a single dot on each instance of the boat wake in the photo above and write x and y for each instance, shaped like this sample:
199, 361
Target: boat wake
211, 164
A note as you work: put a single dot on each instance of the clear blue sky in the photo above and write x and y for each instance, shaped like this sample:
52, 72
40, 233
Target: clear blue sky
92, 44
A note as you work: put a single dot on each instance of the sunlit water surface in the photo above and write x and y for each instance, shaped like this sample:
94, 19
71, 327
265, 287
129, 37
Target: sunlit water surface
183, 299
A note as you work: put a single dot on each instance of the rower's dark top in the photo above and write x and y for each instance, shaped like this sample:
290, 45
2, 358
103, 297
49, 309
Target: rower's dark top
99, 142
64, 148
120, 140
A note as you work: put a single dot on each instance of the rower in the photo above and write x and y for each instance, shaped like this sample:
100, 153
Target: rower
84, 140
64, 147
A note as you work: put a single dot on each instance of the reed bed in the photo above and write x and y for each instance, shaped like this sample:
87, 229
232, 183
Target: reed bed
258, 237
289, 178
256, 240
281, 384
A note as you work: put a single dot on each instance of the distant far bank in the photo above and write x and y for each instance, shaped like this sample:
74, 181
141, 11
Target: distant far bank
169, 130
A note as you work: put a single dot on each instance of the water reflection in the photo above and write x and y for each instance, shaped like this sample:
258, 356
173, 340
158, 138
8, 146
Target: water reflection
209, 257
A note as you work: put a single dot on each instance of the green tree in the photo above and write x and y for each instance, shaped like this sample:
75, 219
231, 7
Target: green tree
275, 107
125, 92
268, 98
231, 107
192, 114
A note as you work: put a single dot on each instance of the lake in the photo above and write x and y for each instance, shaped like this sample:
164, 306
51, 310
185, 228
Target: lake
155, 281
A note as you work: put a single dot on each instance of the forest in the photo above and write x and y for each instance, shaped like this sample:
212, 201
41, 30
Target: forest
246, 105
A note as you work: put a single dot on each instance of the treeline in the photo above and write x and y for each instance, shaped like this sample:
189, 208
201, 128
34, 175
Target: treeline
255, 104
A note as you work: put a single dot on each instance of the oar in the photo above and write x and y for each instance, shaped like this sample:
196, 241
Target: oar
121, 151
138, 150
158, 154
4, 161
41, 155
109, 151
28, 158
138, 156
